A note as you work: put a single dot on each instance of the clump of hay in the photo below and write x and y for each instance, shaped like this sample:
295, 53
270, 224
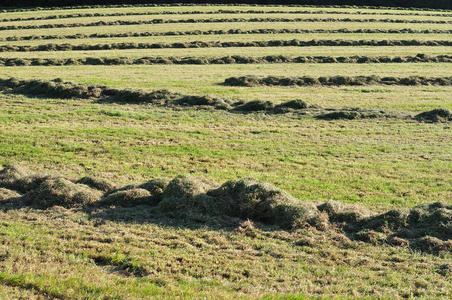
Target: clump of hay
204, 101
6, 194
188, 193
128, 198
258, 201
61, 192
96, 183
156, 187
295, 104
256, 105
439, 115
390, 221
148, 193
19, 178
353, 113
341, 213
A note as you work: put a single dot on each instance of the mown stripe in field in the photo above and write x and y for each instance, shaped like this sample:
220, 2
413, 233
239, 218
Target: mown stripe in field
250, 81
235, 59
219, 44
222, 11
164, 98
221, 32
218, 20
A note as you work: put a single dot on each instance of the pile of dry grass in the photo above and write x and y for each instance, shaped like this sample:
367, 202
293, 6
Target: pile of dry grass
249, 198
439, 115
353, 113
19, 178
7, 194
427, 227
148, 193
97, 183
251, 80
61, 192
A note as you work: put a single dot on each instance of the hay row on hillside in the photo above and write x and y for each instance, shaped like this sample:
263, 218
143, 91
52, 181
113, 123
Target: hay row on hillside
235, 59
220, 20
163, 98
187, 4
221, 11
219, 32
426, 227
251, 80
219, 44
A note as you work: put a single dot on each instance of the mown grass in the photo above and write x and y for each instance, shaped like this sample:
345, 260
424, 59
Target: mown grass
83, 20
179, 78
210, 8
113, 253
238, 38
136, 253
251, 51
220, 26
380, 163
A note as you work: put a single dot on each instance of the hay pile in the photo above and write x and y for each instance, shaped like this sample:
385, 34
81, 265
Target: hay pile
163, 98
427, 227
439, 115
251, 80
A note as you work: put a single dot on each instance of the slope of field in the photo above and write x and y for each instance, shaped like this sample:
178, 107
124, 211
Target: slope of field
347, 110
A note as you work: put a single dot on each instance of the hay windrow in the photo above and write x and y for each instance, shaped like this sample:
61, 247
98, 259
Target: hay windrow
61, 192
219, 20
219, 44
221, 11
163, 98
362, 113
440, 115
79, 36
251, 80
6, 194
426, 227
96, 183
128, 198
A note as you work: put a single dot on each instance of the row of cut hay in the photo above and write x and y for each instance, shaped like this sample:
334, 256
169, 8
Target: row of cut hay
218, 20
164, 98
251, 80
185, 4
219, 44
235, 59
220, 11
220, 32
426, 227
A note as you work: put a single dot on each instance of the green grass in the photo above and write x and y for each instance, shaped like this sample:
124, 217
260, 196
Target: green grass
208, 8
220, 26
250, 51
377, 163
237, 38
74, 255
138, 253
179, 78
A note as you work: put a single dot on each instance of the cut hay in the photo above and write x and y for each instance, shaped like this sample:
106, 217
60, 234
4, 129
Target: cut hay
6, 194
61, 192
250, 198
128, 198
439, 115
19, 178
185, 193
96, 183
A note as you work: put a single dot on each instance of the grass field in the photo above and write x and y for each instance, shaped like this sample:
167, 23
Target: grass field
127, 249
